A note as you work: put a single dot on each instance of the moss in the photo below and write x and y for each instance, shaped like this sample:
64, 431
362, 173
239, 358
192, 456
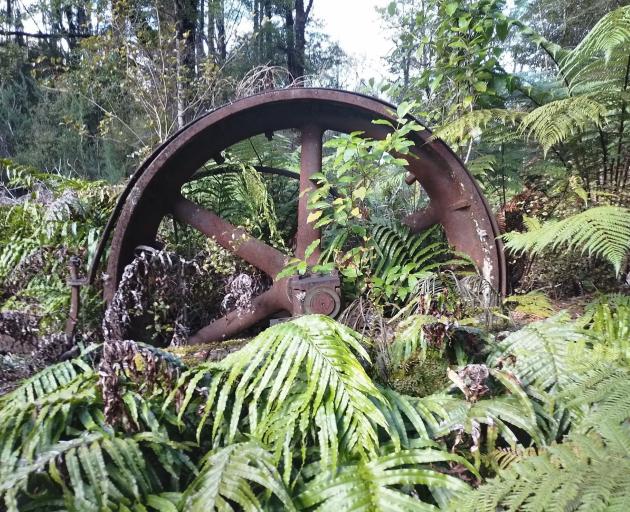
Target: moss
416, 377
194, 355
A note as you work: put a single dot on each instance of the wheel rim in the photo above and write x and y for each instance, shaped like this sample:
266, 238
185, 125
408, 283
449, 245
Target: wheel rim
154, 191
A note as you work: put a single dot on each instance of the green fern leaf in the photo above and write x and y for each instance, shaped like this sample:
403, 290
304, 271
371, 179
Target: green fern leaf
235, 474
603, 231
380, 484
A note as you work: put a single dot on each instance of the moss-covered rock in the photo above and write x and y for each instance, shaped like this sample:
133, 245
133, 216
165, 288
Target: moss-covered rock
193, 355
418, 377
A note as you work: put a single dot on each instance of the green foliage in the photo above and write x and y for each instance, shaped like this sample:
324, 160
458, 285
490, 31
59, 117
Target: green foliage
293, 420
228, 475
543, 351
241, 197
52, 218
608, 319
602, 231
535, 304
584, 473
377, 484
297, 379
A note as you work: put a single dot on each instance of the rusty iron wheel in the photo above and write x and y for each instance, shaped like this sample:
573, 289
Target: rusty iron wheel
154, 192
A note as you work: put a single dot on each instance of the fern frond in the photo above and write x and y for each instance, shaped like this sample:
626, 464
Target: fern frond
237, 474
533, 303
602, 231
30, 427
473, 123
412, 417
582, 474
384, 483
295, 379
95, 471
46, 381
610, 33
558, 120
608, 319
598, 395
410, 339
542, 352
395, 246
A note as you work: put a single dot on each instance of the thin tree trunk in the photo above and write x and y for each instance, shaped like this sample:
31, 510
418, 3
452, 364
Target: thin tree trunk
290, 40
212, 48
185, 29
268, 32
200, 33
257, 33
220, 20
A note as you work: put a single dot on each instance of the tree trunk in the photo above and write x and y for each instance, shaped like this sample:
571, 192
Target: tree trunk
300, 43
268, 32
185, 29
212, 48
200, 33
220, 20
290, 40
257, 32
296, 38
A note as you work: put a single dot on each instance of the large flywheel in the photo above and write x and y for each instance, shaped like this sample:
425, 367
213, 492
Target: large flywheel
154, 192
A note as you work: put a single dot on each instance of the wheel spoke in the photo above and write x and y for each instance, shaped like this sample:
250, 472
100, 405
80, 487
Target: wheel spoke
273, 300
310, 163
236, 240
432, 214
422, 219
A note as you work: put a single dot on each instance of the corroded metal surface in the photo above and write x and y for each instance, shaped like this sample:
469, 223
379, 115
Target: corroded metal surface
154, 191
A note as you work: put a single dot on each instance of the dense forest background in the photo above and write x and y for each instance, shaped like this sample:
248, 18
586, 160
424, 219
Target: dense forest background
431, 390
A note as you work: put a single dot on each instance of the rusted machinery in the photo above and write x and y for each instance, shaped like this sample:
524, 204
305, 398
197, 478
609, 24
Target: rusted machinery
154, 192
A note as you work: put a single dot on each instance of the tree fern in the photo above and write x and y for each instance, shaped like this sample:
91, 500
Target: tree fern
610, 33
602, 231
557, 120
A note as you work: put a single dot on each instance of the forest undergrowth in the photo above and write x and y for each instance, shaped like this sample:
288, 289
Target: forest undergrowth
430, 390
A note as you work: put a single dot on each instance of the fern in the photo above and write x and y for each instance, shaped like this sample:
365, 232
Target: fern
380, 484
602, 231
104, 472
396, 246
610, 33
542, 352
295, 378
410, 339
235, 474
608, 319
533, 303
598, 395
556, 121
412, 418
582, 474
475, 122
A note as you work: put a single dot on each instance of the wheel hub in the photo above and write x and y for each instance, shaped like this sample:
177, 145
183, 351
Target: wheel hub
315, 294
